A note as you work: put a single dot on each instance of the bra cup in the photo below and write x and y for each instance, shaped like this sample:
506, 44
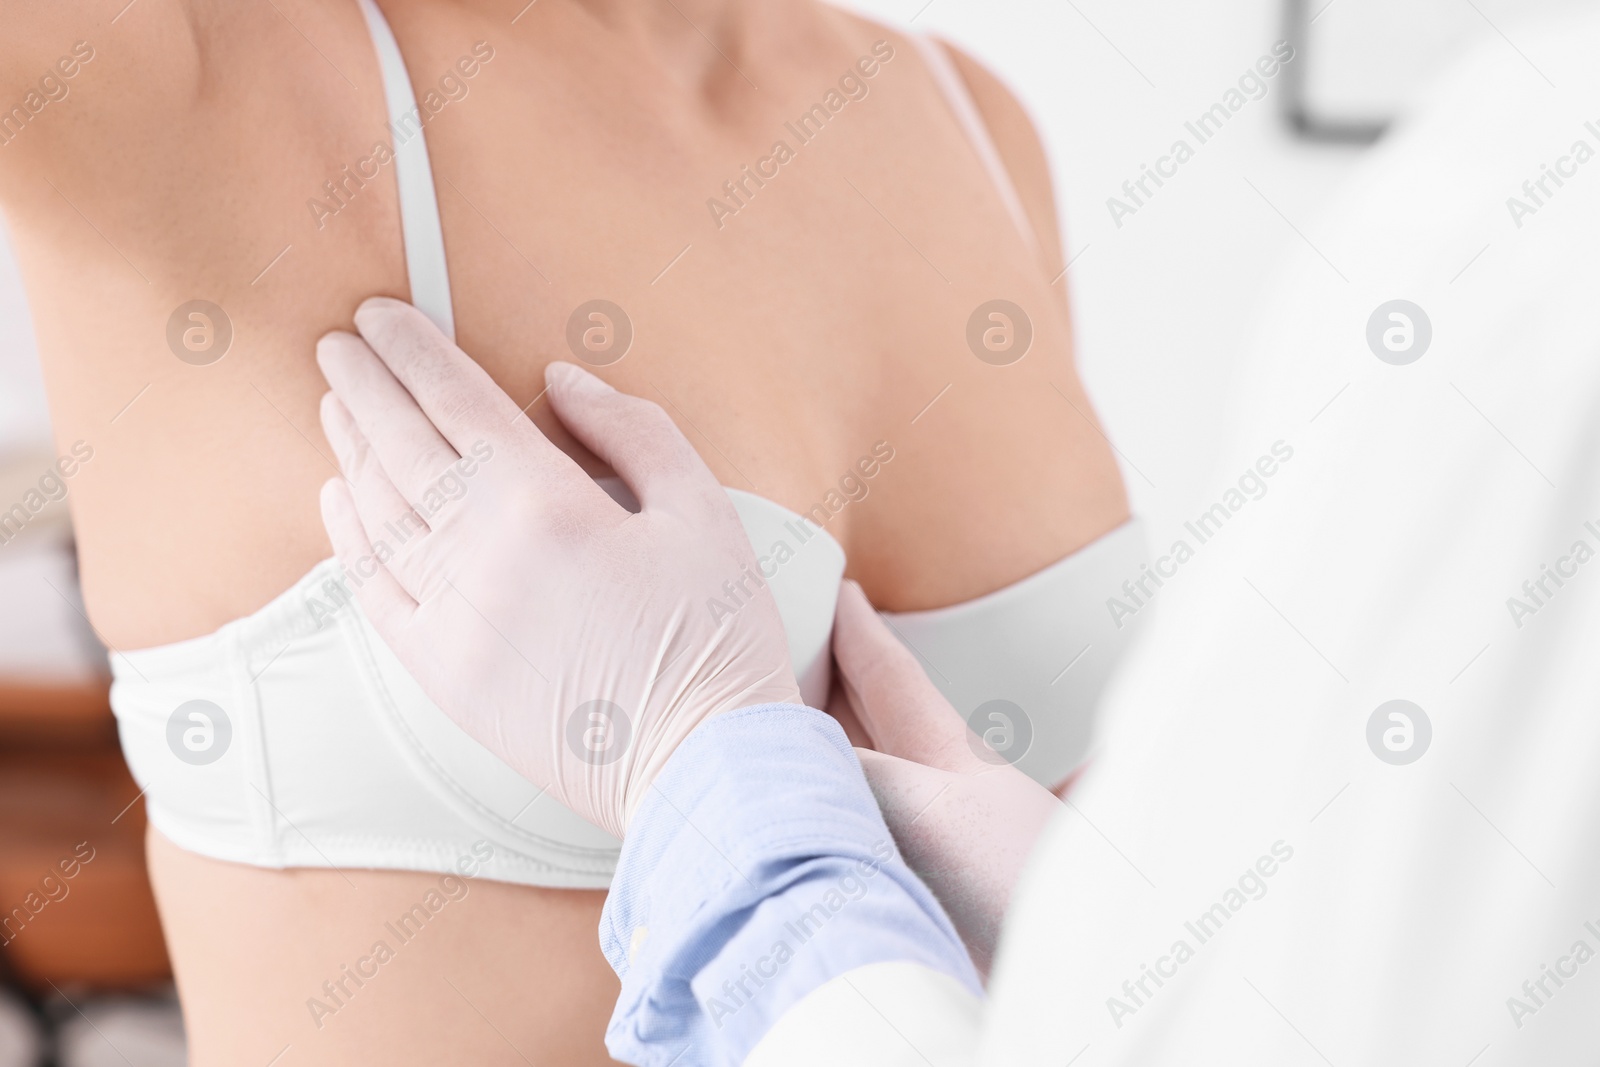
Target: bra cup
803, 566
1027, 665
489, 794
481, 788
338, 758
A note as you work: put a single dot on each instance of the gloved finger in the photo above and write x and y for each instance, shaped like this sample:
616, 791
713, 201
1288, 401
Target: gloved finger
902, 710
633, 435
405, 441
456, 394
385, 515
382, 598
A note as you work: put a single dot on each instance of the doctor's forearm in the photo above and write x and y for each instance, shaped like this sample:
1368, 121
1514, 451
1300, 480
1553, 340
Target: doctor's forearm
757, 870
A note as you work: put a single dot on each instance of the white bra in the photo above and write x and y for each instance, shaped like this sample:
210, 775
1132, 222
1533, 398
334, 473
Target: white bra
294, 738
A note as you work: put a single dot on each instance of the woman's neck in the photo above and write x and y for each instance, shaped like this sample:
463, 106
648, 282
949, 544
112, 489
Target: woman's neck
696, 42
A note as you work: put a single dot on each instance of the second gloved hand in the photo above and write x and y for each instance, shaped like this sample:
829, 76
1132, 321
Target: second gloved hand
566, 634
964, 819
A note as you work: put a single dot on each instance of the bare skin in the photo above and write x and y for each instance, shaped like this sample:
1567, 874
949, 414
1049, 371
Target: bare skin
821, 318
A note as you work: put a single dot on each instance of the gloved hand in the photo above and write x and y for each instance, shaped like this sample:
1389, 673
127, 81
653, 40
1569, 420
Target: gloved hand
965, 820
567, 635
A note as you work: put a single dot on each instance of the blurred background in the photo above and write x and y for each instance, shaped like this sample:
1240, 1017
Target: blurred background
1165, 287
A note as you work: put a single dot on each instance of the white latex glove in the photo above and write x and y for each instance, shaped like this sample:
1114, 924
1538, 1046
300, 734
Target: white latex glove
964, 818
567, 635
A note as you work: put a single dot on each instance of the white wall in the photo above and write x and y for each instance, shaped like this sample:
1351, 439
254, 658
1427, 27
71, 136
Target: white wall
1164, 302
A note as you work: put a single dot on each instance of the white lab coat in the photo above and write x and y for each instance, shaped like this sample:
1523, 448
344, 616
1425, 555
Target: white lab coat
1416, 900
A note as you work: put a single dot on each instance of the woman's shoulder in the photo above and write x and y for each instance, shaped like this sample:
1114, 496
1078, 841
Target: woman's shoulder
1017, 141
74, 83
1012, 129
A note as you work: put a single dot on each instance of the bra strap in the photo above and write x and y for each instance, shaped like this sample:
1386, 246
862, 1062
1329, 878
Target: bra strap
420, 229
959, 97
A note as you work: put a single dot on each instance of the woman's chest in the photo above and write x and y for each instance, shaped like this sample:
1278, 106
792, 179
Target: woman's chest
800, 293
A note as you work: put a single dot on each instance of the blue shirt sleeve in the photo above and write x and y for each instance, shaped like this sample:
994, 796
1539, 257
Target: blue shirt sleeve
757, 869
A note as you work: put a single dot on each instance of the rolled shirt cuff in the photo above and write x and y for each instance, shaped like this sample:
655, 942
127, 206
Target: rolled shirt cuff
757, 869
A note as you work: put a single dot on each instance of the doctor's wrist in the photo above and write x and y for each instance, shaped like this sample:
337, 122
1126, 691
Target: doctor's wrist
777, 692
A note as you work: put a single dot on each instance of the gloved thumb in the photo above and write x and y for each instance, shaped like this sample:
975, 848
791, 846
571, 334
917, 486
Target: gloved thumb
903, 712
634, 436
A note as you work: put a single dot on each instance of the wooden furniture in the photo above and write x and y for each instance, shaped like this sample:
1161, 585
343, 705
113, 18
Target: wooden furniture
65, 794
